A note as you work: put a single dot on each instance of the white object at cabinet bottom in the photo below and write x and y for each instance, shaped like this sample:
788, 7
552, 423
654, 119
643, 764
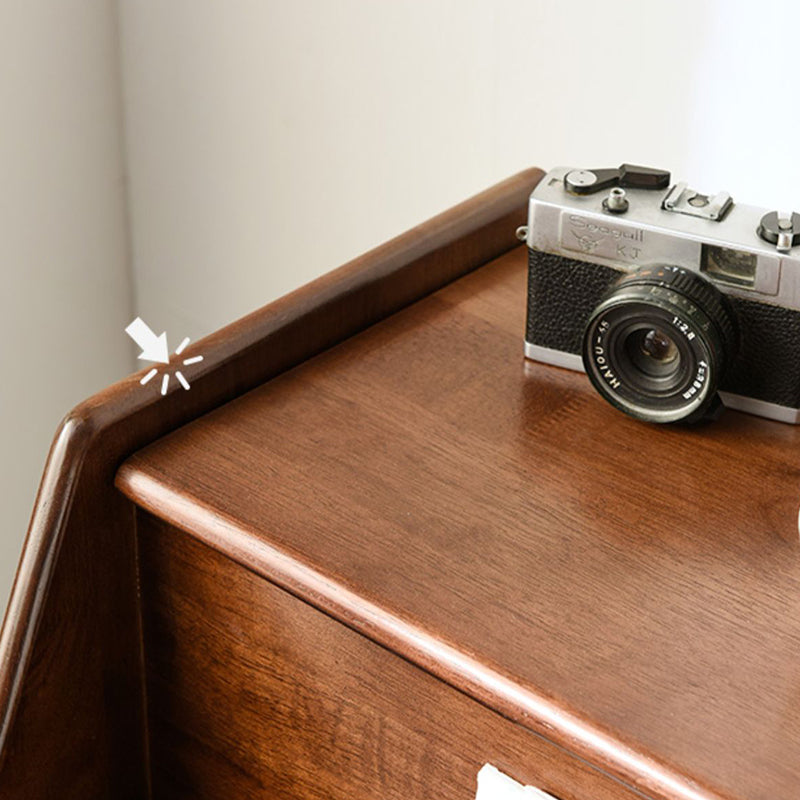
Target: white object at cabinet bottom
494, 785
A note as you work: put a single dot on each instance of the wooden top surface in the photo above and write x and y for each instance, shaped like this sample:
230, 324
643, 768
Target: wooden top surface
632, 592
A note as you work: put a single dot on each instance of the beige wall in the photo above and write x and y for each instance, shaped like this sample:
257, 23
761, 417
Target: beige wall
65, 287
270, 141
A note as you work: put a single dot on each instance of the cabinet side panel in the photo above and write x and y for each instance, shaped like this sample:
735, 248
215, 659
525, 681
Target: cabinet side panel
79, 729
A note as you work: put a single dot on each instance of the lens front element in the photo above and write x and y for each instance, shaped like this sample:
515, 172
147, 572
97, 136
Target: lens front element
657, 344
653, 352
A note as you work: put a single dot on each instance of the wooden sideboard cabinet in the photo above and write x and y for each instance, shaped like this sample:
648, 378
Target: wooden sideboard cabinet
373, 549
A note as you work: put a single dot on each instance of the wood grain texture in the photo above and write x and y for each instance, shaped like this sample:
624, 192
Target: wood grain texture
255, 694
631, 592
70, 651
80, 716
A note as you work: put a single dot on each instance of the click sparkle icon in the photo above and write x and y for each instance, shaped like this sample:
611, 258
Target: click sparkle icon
155, 348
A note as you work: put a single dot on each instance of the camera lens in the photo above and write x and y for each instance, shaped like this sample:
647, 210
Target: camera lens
653, 352
658, 346
658, 343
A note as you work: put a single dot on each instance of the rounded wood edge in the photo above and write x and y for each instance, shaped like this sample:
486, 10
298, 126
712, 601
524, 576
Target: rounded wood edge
40, 550
489, 686
114, 423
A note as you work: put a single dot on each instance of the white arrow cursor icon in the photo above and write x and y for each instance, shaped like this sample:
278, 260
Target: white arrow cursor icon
154, 348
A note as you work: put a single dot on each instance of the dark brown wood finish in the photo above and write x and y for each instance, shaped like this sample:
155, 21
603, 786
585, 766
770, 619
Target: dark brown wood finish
254, 693
71, 719
630, 592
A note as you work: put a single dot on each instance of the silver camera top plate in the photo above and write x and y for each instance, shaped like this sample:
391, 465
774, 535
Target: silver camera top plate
674, 225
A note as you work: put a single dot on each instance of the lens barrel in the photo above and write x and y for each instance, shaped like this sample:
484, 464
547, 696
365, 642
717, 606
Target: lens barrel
658, 343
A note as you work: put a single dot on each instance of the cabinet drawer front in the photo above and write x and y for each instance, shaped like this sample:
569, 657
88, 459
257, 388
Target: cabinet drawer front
255, 693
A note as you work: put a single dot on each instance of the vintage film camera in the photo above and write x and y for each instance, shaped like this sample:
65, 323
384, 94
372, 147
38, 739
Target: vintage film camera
672, 301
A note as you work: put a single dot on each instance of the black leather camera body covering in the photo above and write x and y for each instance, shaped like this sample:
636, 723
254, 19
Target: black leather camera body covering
563, 292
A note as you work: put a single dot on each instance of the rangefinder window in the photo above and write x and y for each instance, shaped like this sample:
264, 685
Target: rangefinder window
730, 266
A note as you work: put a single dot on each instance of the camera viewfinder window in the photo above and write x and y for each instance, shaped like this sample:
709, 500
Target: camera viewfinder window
729, 266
